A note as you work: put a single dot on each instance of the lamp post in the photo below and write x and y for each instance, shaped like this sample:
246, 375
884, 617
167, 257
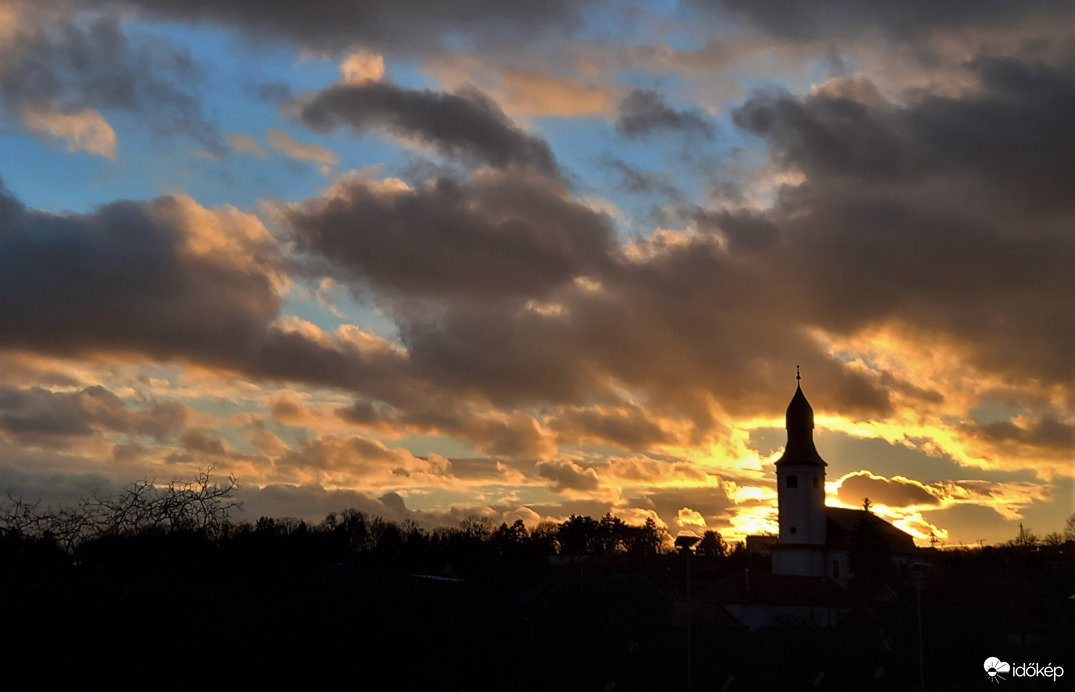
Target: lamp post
918, 579
685, 541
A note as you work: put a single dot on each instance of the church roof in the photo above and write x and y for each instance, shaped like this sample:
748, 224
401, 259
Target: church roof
800, 413
799, 419
843, 523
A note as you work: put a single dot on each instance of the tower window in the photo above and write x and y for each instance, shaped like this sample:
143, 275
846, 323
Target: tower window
792, 529
835, 569
793, 482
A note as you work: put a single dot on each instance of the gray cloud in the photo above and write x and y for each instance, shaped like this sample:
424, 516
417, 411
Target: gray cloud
510, 296
495, 235
644, 112
155, 278
418, 25
466, 124
67, 68
41, 413
628, 427
1046, 432
890, 492
912, 21
948, 214
568, 476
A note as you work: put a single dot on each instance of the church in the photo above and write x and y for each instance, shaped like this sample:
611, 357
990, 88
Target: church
814, 540
810, 556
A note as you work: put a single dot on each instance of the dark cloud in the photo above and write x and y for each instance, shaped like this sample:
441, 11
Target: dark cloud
466, 124
495, 235
166, 278
41, 413
67, 68
910, 21
893, 492
121, 277
629, 426
745, 230
644, 112
508, 434
947, 214
567, 476
1046, 432
416, 25
512, 299
198, 442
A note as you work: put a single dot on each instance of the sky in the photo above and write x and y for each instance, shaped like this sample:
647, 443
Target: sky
526, 260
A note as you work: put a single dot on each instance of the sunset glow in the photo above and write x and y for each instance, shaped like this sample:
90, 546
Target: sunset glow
526, 261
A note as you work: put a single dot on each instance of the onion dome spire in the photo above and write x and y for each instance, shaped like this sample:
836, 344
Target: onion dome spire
800, 424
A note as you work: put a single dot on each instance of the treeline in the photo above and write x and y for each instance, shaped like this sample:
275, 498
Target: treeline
152, 578
205, 509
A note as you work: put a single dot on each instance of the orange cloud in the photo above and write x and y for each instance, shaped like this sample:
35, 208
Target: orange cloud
285, 143
84, 130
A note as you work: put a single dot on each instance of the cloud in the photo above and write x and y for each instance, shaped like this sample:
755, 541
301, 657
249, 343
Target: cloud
61, 78
502, 434
1044, 432
895, 492
166, 279
466, 124
689, 517
628, 426
874, 216
38, 416
419, 25
283, 142
566, 476
644, 112
530, 92
903, 21
362, 66
85, 130
246, 144
494, 235
905, 499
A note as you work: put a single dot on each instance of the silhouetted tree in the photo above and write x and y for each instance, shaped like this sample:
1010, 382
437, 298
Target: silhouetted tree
646, 539
510, 541
712, 545
579, 535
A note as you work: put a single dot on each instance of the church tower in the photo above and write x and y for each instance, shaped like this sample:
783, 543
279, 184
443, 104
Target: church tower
800, 477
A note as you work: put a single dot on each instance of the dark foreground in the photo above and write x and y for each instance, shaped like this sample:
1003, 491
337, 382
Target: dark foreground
294, 605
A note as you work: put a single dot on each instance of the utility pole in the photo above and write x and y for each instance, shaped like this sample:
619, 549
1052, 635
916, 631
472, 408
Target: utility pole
918, 578
684, 541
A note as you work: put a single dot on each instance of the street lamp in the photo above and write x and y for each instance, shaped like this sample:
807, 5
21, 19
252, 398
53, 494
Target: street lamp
918, 579
684, 542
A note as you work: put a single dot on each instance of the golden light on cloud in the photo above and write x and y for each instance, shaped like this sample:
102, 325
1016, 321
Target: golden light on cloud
915, 373
689, 517
84, 130
288, 145
362, 66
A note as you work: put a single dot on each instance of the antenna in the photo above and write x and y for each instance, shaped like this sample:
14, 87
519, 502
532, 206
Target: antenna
797, 375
